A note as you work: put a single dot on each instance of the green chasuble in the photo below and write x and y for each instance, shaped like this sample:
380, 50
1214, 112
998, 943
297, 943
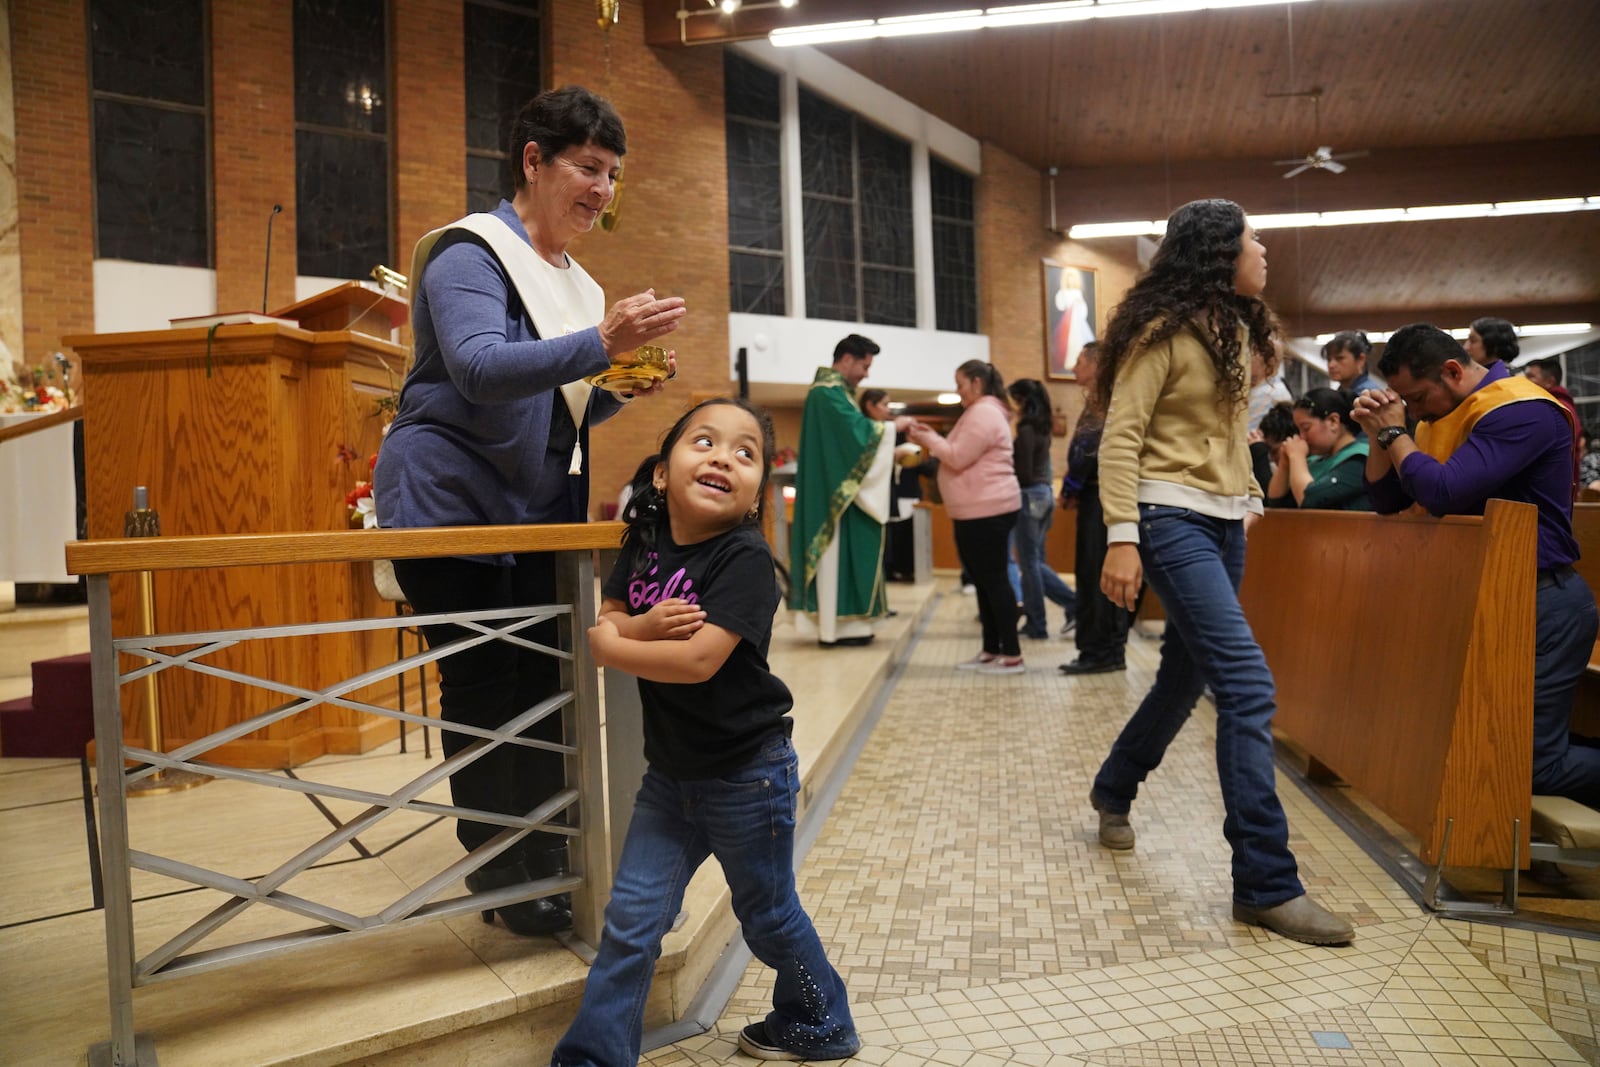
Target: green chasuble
837, 446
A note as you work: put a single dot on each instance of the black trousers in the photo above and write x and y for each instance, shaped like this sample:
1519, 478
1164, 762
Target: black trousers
1102, 634
984, 546
490, 684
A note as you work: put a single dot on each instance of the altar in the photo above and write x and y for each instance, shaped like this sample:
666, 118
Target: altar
38, 501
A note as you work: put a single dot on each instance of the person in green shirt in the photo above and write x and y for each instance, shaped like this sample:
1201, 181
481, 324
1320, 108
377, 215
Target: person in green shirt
1321, 468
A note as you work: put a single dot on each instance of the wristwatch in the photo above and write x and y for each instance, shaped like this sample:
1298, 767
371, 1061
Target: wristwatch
1387, 436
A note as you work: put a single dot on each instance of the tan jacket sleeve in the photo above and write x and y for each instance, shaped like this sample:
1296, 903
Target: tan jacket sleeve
1139, 384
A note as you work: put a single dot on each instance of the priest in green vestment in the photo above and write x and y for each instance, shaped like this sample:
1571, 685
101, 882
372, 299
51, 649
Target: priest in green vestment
842, 486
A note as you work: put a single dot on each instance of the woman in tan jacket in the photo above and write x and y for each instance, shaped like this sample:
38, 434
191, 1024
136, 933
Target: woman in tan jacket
1178, 494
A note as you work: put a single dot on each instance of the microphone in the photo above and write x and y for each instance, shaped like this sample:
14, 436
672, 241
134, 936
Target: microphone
266, 272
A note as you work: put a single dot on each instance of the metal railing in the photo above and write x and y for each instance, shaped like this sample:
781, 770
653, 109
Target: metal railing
578, 811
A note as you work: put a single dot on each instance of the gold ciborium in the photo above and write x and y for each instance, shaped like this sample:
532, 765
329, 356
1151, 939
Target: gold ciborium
632, 371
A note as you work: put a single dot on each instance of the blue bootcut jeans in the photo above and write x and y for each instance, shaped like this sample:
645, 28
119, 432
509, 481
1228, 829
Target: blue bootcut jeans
1038, 581
1195, 563
746, 820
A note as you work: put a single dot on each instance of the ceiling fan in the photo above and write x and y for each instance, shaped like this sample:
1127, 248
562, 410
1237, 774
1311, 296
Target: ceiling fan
1322, 157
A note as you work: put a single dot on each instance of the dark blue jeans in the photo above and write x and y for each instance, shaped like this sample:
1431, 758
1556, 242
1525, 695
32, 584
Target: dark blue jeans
1039, 582
746, 820
1564, 630
1194, 563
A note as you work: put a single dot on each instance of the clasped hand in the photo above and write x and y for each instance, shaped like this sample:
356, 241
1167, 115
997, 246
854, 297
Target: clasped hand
1376, 408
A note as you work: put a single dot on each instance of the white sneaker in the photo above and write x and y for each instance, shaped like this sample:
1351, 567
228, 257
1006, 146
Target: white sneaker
978, 662
1003, 665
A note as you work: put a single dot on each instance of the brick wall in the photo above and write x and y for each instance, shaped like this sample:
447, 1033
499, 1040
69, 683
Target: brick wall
673, 233
252, 148
1012, 242
430, 126
674, 222
54, 192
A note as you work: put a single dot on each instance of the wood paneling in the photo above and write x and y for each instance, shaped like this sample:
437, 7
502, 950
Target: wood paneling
1460, 102
245, 438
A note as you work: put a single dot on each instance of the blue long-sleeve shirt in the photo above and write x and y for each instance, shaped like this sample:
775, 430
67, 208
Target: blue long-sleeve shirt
1519, 451
482, 437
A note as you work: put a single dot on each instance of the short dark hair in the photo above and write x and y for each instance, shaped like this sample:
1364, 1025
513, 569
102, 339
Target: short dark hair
1550, 366
1352, 341
1278, 423
557, 119
1322, 402
1422, 349
854, 345
870, 396
1499, 338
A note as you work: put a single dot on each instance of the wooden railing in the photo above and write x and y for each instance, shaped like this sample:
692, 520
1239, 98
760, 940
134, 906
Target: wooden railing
1402, 647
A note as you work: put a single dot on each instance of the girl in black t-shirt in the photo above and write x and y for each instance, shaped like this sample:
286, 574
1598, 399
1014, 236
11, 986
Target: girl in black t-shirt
688, 610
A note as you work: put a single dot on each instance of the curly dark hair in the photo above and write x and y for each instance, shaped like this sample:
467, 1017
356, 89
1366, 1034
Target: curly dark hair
1190, 284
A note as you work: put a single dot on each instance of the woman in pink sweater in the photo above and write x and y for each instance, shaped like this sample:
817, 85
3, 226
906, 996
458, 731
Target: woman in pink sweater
979, 486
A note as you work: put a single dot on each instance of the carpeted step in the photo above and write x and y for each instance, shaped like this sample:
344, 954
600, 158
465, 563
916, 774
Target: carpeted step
64, 685
29, 731
58, 720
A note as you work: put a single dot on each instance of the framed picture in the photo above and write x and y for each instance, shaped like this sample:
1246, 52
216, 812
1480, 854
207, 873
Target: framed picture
1069, 322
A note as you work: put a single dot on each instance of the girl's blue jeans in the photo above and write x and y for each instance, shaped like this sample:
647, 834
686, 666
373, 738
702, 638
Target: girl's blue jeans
1195, 563
747, 821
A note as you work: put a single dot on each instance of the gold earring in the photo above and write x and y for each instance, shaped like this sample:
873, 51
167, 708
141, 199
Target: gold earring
753, 512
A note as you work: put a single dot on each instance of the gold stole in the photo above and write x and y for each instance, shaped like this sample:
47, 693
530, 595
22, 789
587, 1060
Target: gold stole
1442, 437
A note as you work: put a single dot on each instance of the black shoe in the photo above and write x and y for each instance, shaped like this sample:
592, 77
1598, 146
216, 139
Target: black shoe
755, 1041
529, 918
1082, 666
847, 642
1031, 636
549, 863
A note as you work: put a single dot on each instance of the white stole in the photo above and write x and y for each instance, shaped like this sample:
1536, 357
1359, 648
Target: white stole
559, 301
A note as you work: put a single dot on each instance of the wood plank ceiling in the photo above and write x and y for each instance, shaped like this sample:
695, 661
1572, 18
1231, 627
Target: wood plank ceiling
1457, 101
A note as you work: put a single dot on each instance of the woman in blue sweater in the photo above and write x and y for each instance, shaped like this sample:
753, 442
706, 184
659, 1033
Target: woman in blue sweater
491, 430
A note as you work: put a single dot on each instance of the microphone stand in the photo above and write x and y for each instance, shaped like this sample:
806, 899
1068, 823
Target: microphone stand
266, 273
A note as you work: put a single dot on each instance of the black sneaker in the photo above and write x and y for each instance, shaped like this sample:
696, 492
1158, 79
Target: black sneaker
755, 1041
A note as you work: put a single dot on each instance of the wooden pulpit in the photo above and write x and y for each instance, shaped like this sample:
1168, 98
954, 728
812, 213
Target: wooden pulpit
250, 428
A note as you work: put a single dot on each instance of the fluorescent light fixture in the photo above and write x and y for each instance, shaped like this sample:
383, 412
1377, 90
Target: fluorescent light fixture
729, 6
944, 22
1356, 218
1156, 227
1545, 329
827, 33
1554, 327
948, 398
994, 17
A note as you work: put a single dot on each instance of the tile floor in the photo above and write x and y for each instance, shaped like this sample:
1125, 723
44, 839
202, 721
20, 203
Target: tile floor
964, 898
977, 922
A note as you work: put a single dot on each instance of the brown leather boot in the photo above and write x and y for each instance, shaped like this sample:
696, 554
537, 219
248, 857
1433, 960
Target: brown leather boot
1299, 919
1115, 830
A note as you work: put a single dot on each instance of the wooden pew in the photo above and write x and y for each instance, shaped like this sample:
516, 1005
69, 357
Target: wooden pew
1402, 648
